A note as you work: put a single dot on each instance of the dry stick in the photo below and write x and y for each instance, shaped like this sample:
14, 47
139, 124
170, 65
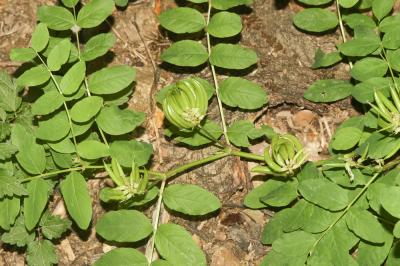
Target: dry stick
342, 30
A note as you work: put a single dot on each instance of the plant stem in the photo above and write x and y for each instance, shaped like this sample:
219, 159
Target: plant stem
344, 212
214, 74
248, 155
156, 222
342, 30
64, 103
208, 135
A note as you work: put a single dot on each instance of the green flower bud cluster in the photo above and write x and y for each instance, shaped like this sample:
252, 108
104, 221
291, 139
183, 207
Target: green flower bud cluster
186, 104
283, 156
388, 111
126, 186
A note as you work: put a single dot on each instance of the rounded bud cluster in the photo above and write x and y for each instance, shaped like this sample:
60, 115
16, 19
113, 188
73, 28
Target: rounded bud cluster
186, 104
388, 111
283, 156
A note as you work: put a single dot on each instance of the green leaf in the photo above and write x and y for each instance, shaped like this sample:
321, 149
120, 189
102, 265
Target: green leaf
128, 151
94, 13
295, 244
390, 200
239, 133
394, 59
34, 76
121, 3
227, 4
359, 46
7, 151
318, 219
346, 138
185, 53
18, 235
324, 193
62, 160
225, 24
56, 17
70, 3
55, 128
391, 39
176, 245
124, 226
273, 229
160, 263
72, 80
9, 210
274, 258
22, 54
389, 23
232, 56
281, 196
239, 92
365, 225
77, 199
196, 138
52, 226
115, 121
63, 146
35, 202
41, 253
9, 185
97, 46
325, 60
86, 109
40, 37
59, 55
315, 2
356, 20
364, 92
252, 199
182, 20
9, 99
92, 149
394, 255
368, 67
190, 199
47, 103
111, 79
382, 8
328, 90
348, 3
315, 20
141, 200
122, 257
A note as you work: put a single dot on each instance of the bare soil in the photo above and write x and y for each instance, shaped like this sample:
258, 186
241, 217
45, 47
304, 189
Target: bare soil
232, 236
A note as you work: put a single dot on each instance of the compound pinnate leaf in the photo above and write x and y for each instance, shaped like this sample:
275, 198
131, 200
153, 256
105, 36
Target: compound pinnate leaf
41, 253
117, 226
94, 13
365, 225
86, 109
115, 121
239, 92
190, 199
324, 193
98, 46
18, 235
52, 226
185, 53
59, 55
55, 128
224, 4
128, 151
92, 149
77, 199
34, 76
47, 103
40, 37
328, 90
182, 20
232, 56
315, 20
72, 80
225, 24
9, 210
56, 17
22, 54
35, 202
176, 245
111, 79
122, 257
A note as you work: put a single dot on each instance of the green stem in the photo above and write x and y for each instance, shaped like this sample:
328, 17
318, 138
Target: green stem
341, 26
248, 155
214, 74
385, 58
209, 136
344, 212
64, 103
